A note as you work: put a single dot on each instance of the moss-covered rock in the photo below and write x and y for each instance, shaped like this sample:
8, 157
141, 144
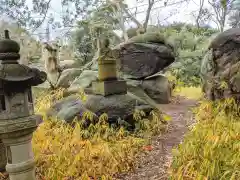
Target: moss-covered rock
221, 66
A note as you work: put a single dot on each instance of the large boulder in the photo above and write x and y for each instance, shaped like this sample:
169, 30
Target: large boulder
144, 55
119, 108
67, 109
221, 66
155, 89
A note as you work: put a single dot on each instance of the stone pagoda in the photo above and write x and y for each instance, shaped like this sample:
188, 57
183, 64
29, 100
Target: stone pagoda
108, 82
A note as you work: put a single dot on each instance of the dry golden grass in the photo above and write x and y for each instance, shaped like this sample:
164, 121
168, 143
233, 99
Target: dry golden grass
212, 149
64, 152
189, 92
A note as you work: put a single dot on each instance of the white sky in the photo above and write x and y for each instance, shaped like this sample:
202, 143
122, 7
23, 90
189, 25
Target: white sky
182, 12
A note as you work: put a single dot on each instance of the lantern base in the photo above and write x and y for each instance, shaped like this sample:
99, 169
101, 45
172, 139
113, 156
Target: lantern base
106, 88
21, 164
16, 135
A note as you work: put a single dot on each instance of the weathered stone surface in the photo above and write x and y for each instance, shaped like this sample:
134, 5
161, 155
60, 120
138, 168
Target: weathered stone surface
60, 79
221, 66
154, 89
116, 106
67, 109
67, 76
143, 56
158, 88
106, 88
232, 34
83, 81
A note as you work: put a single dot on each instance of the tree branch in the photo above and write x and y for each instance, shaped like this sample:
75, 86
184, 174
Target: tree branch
199, 13
44, 17
150, 5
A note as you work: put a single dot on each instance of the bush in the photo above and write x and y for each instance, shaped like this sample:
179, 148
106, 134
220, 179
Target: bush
190, 45
212, 149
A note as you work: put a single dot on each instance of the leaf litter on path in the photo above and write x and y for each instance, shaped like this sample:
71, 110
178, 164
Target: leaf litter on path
154, 164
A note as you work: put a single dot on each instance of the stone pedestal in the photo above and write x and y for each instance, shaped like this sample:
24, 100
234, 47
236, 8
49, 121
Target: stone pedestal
3, 157
17, 135
106, 88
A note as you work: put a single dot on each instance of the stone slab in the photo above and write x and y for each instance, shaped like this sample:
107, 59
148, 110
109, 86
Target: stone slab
106, 88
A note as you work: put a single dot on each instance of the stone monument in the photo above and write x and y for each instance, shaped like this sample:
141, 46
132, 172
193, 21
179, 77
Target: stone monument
17, 118
108, 82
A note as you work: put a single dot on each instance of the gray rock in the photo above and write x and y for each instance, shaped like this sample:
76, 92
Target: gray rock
67, 77
232, 34
140, 60
220, 66
83, 81
67, 109
158, 88
139, 93
116, 106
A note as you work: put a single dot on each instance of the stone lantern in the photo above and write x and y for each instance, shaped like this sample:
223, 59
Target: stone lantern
17, 118
108, 82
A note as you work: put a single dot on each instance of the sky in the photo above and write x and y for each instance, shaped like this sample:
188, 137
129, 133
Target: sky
182, 12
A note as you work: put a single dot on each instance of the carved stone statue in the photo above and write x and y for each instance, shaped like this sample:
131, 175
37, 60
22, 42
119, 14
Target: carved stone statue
52, 65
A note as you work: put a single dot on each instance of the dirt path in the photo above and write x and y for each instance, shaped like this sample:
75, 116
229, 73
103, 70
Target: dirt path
154, 164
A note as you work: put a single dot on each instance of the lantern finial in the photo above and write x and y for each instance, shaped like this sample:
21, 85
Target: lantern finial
9, 49
6, 34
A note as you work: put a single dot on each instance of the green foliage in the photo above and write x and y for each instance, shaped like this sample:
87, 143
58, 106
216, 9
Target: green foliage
100, 23
211, 150
190, 43
25, 12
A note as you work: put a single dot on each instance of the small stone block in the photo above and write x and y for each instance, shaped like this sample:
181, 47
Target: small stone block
106, 88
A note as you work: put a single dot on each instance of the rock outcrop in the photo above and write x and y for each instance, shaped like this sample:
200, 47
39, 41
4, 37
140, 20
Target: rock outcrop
221, 66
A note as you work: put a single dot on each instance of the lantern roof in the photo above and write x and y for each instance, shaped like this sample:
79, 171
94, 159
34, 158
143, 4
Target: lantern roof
11, 70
